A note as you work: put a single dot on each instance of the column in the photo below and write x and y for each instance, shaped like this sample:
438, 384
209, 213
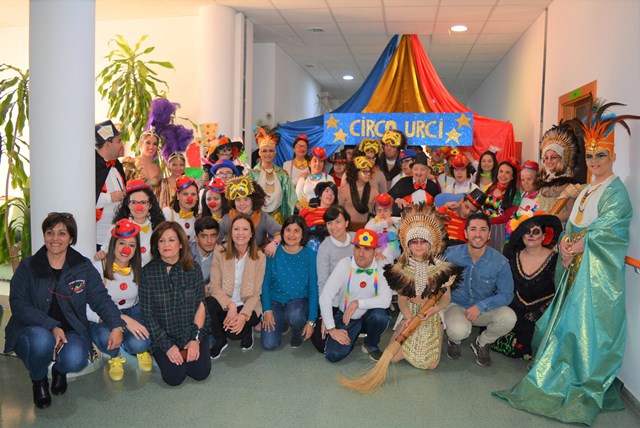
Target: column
61, 116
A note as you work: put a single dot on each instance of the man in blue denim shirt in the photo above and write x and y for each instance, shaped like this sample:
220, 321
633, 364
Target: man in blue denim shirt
484, 295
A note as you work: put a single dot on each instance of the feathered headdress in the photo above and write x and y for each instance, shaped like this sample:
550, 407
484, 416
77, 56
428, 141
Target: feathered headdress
266, 139
562, 140
423, 222
597, 127
173, 138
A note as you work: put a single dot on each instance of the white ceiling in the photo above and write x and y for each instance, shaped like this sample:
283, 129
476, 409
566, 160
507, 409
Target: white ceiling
356, 32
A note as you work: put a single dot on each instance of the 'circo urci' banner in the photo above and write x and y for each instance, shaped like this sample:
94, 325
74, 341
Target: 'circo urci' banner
421, 129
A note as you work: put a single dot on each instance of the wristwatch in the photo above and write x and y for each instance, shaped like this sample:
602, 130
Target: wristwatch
312, 324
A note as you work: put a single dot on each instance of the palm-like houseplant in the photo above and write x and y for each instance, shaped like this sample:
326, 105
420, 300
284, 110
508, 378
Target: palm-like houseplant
15, 225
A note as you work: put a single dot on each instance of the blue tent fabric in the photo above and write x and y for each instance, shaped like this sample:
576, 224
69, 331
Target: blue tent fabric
314, 127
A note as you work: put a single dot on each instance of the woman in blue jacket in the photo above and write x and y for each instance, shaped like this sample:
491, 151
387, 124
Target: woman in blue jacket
48, 296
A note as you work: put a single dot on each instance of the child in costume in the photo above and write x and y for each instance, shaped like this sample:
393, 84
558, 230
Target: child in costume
420, 272
184, 206
387, 228
121, 272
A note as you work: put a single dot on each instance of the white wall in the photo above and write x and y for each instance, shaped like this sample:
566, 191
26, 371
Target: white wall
521, 72
294, 94
587, 40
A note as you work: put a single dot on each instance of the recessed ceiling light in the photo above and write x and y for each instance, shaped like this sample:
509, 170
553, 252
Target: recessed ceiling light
347, 77
459, 28
315, 29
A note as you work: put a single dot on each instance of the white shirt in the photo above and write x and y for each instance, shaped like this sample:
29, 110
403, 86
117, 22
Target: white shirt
360, 286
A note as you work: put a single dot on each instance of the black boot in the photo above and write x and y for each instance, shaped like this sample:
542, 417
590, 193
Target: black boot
41, 396
58, 382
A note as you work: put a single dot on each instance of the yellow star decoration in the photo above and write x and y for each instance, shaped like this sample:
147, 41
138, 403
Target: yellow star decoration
332, 122
340, 136
453, 135
463, 121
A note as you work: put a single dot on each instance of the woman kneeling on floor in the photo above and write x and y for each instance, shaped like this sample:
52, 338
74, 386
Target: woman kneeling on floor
121, 272
290, 288
48, 296
237, 271
172, 301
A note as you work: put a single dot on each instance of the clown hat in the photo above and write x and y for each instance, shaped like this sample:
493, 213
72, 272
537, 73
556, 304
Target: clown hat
319, 153
183, 182
531, 165
137, 184
407, 154
216, 185
224, 163
366, 238
384, 200
301, 137
459, 162
125, 228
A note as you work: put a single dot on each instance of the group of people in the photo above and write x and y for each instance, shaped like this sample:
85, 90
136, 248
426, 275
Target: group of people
320, 253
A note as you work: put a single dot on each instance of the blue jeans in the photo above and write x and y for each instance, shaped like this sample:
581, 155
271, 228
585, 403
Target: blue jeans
294, 313
374, 322
132, 345
35, 349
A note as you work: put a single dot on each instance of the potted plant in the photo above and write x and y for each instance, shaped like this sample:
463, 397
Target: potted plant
15, 224
129, 83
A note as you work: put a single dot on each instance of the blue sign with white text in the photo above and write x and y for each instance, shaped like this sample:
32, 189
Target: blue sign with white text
421, 129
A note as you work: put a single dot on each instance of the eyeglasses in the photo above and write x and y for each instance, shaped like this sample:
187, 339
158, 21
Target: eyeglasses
597, 156
143, 203
418, 241
533, 232
224, 174
65, 215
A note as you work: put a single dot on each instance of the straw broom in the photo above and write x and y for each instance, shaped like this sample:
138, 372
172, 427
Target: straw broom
372, 380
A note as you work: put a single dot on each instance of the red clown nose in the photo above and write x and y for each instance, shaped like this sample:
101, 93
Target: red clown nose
126, 251
138, 207
189, 199
212, 204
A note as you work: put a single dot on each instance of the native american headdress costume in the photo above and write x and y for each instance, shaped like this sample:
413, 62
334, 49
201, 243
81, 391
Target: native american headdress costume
562, 140
410, 277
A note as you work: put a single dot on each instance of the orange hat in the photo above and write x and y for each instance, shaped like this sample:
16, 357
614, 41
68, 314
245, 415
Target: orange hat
459, 162
319, 152
183, 182
384, 200
125, 228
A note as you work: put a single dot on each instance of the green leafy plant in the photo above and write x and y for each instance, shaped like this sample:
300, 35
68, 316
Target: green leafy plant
129, 83
15, 223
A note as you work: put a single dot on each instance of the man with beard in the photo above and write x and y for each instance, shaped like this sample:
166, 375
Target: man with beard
484, 295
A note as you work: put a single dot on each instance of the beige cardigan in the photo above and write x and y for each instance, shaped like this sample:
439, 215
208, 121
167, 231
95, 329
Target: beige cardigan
223, 280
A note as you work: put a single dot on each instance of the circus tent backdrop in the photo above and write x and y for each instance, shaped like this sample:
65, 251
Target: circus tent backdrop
403, 80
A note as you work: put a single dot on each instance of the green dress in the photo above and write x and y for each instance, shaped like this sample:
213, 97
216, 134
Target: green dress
580, 339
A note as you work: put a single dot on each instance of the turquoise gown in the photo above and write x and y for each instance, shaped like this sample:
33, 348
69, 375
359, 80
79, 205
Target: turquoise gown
580, 339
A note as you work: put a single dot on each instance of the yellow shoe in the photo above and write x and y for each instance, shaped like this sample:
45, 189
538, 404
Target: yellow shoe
145, 362
116, 371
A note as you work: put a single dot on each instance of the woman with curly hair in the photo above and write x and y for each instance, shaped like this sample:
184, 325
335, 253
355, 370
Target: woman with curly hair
141, 206
213, 202
247, 197
356, 194
502, 201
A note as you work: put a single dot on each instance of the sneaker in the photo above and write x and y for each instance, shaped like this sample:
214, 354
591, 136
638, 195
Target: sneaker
145, 362
116, 371
217, 349
246, 343
483, 356
453, 350
296, 339
374, 353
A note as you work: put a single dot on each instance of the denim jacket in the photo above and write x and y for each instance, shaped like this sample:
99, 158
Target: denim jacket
487, 283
